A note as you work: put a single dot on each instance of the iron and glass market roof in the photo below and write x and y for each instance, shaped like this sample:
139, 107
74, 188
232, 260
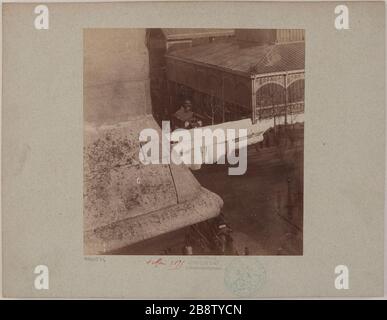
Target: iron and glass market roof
247, 58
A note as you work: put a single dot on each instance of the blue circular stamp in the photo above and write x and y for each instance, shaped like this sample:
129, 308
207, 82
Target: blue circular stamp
244, 277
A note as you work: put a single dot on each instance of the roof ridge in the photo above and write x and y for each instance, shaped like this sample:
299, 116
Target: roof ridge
271, 49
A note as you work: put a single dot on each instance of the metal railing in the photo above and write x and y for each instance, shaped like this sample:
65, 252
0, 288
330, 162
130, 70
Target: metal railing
267, 112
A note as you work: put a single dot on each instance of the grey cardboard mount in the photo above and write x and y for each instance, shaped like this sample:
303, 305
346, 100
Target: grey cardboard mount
43, 139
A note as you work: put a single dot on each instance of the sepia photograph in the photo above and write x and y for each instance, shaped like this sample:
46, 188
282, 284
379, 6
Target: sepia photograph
175, 79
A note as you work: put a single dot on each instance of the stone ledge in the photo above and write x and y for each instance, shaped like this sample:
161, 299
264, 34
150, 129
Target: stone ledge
128, 231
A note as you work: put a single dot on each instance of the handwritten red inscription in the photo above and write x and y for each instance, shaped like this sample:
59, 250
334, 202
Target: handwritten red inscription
170, 264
